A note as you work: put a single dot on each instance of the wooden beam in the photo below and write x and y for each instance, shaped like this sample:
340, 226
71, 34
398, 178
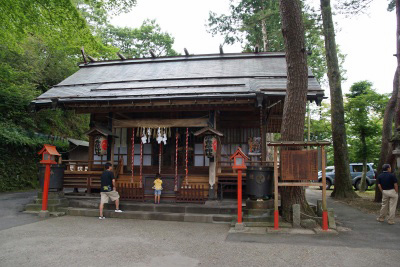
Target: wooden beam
83, 55
92, 59
300, 184
324, 208
299, 143
121, 56
153, 123
276, 179
123, 116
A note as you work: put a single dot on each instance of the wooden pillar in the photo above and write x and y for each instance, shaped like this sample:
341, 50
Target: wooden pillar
324, 207
263, 138
260, 98
91, 152
212, 169
110, 147
91, 143
276, 210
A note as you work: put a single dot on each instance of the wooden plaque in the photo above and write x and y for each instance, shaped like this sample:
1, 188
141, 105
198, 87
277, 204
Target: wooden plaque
299, 164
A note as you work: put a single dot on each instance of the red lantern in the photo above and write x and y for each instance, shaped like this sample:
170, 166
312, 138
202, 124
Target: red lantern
210, 146
100, 145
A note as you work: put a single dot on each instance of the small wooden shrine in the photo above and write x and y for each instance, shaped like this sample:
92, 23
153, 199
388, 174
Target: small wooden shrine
180, 116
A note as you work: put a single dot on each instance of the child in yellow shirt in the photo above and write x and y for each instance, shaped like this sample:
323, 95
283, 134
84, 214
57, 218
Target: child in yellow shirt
157, 188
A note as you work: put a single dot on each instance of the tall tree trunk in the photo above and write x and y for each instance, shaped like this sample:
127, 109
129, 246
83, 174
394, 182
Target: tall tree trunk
363, 182
391, 107
343, 188
264, 34
296, 93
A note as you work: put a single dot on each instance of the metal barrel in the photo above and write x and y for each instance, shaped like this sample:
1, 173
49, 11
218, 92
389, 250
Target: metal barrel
259, 182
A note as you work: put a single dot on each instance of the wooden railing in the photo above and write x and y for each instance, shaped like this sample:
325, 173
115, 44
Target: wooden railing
191, 194
119, 169
130, 191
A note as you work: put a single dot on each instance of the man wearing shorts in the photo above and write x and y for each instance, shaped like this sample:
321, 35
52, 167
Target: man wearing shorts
107, 190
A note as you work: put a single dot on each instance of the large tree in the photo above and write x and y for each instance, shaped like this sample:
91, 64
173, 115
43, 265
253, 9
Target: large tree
364, 107
137, 42
257, 23
343, 188
296, 93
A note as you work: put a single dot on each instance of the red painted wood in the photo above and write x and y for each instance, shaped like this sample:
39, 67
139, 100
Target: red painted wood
45, 193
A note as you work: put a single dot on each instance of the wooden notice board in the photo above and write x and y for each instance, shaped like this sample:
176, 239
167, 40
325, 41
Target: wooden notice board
299, 165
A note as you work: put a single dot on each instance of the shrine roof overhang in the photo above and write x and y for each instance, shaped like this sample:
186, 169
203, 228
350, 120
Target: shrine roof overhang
214, 76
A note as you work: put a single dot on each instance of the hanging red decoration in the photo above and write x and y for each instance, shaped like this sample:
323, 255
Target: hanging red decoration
141, 165
133, 152
159, 159
176, 160
187, 148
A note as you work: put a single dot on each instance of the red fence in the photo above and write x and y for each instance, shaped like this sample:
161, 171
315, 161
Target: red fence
191, 193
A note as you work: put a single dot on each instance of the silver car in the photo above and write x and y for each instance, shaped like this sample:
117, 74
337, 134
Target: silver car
355, 173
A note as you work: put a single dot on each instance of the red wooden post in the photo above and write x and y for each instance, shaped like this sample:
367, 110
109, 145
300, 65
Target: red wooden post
46, 187
239, 191
239, 164
48, 153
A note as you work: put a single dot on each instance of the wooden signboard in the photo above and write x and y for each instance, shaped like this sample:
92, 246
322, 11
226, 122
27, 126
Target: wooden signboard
299, 165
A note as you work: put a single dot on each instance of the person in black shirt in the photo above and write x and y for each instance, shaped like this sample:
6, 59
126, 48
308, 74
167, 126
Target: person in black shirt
387, 183
107, 189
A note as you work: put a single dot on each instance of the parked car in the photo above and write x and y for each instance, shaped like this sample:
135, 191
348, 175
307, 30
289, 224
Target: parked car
355, 172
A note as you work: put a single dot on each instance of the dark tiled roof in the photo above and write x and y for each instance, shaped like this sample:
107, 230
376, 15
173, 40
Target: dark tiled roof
207, 76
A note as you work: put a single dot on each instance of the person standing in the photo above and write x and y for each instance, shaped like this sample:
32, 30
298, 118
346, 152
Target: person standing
108, 190
387, 183
157, 189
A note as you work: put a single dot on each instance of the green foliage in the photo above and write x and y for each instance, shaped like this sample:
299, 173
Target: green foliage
320, 127
40, 44
244, 25
137, 42
364, 110
352, 7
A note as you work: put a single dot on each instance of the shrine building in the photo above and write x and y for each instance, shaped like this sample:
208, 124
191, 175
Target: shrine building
182, 117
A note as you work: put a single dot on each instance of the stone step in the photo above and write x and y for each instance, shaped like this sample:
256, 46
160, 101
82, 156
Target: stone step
265, 224
38, 207
264, 218
55, 201
165, 208
151, 215
52, 195
259, 212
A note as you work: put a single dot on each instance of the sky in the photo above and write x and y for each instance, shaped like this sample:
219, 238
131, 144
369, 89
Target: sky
367, 40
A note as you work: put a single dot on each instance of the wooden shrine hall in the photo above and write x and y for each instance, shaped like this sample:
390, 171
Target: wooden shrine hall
181, 116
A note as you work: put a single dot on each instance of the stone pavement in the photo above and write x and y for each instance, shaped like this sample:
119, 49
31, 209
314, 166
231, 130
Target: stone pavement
358, 230
11, 207
87, 241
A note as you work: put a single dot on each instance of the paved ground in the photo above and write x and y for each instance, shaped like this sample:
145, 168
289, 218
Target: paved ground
365, 232
85, 241
11, 207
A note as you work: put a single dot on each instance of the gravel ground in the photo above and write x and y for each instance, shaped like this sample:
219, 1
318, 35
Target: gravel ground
85, 241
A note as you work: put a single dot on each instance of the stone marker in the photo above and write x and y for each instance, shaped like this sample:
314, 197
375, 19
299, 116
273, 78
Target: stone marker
331, 219
319, 207
296, 215
44, 214
239, 226
308, 223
